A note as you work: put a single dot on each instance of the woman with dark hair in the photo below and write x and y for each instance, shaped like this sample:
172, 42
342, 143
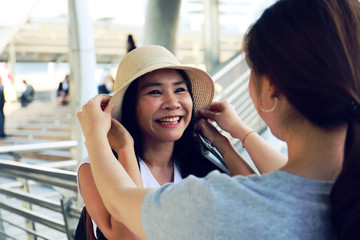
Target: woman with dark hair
156, 100
304, 57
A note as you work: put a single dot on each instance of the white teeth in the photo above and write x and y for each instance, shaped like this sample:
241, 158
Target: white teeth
170, 120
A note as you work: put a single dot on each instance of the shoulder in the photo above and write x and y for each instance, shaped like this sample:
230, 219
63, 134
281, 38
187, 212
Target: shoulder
86, 160
82, 163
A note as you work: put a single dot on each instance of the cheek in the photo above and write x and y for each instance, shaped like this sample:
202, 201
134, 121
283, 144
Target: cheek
144, 109
187, 103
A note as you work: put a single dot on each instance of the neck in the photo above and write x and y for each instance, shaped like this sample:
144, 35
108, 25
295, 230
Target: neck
158, 154
315, 153
158, 158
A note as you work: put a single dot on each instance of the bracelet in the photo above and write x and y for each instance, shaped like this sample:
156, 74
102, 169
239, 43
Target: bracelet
243, 141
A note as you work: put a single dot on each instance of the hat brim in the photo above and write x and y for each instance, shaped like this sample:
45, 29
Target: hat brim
201, 84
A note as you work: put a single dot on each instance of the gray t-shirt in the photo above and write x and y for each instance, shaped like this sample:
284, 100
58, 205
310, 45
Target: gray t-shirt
277, 206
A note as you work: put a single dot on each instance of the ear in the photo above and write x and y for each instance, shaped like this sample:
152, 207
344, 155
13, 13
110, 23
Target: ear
269, 87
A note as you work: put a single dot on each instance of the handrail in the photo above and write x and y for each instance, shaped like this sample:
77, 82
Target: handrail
34, 147
47, 203
61, 178
34, 216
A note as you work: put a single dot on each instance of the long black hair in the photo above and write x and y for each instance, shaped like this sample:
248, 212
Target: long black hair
187, 150
310, 50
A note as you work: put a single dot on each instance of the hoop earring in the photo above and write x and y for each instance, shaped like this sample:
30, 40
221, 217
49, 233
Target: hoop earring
267, 110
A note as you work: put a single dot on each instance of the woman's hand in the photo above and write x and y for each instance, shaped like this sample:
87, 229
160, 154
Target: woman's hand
210, 133
96, 116
118, 136
224, 114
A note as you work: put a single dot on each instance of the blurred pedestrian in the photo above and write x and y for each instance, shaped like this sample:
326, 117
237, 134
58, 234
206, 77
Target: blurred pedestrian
2, 104
28, 95
130, 44
63, 91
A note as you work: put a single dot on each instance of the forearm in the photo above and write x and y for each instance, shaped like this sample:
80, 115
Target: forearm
265, 157
235, 163
119, 193
132, 168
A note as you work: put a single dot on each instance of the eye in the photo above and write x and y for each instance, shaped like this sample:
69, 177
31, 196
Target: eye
180, 89
153, 92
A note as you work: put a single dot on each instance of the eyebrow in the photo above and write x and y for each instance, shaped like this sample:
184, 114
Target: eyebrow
155, 84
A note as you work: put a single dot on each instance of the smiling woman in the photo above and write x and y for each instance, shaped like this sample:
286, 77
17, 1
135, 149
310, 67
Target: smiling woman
156, 99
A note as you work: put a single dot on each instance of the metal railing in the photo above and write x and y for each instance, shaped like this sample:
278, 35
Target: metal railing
22, 175
16, 149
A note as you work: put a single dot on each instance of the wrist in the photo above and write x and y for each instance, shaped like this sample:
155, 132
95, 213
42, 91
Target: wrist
129, 145
240, 130
94, 138
245, 137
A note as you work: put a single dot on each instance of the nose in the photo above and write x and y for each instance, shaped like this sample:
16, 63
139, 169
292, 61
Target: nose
170, 101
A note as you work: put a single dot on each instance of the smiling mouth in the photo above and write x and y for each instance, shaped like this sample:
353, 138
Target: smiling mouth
169, 120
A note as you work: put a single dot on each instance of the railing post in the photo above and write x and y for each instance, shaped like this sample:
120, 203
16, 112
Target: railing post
30, 224
2, 229
69, 220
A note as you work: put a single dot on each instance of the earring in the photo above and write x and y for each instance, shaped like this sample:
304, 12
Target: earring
267, 110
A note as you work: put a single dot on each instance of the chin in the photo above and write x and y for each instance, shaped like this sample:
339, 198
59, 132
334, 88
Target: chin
174, 138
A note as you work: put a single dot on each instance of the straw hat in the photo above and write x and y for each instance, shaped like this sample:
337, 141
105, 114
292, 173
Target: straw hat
146, 59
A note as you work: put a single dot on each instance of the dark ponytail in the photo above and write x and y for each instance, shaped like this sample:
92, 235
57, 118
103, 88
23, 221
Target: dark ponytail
345, 195
310, 50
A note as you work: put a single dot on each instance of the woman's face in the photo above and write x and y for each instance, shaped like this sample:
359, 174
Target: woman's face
164, 105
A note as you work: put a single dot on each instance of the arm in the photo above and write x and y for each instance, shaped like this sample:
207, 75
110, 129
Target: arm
119, 193
265, 157
111, 228
235, 163
132, 167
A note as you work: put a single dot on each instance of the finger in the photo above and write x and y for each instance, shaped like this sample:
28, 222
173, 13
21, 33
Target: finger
216, 106
204, 126
208, 114
104, 101
208, 131
109, 108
